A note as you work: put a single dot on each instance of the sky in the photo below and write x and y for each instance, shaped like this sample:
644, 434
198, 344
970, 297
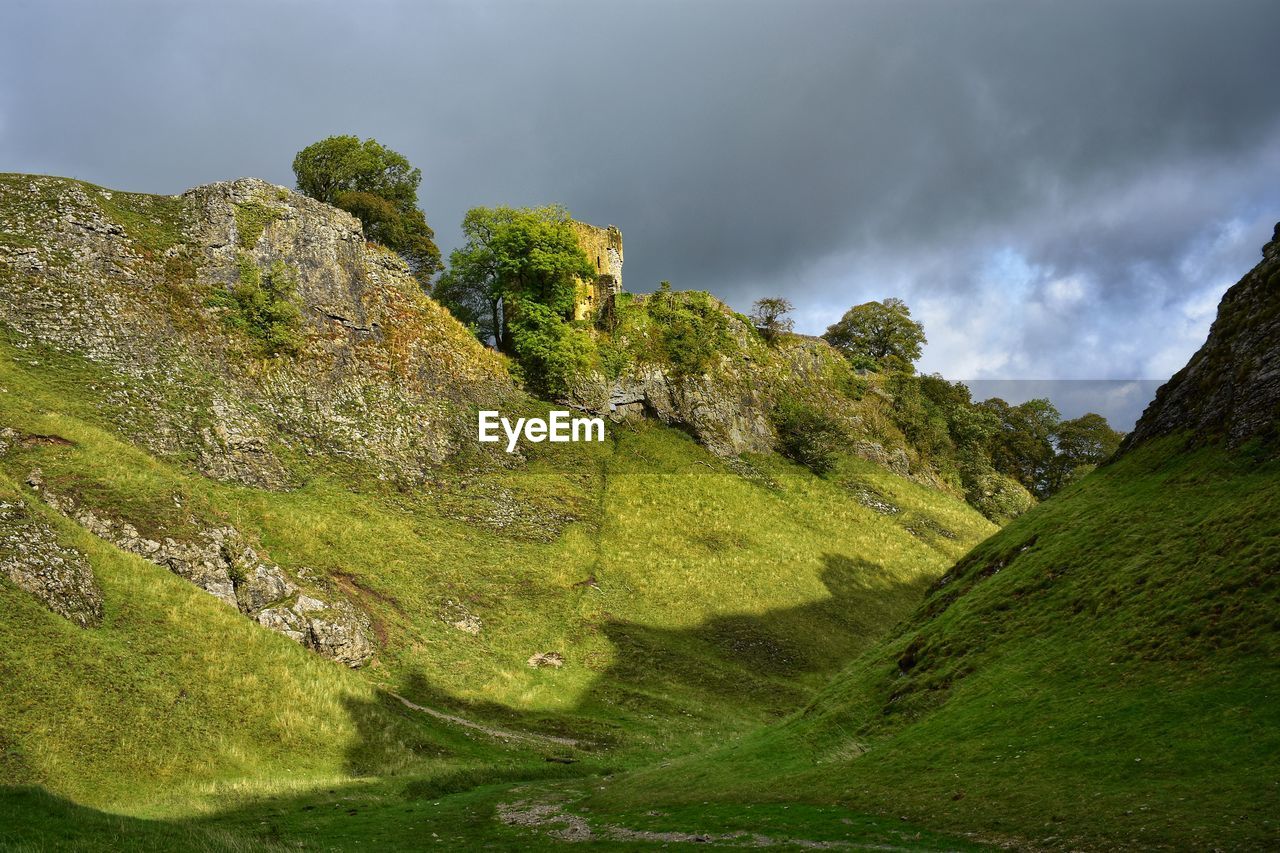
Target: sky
1060, 191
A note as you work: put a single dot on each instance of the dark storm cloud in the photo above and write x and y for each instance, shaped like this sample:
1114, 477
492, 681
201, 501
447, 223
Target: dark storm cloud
1059, 189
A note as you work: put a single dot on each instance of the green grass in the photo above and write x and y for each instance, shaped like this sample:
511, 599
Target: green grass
1102, 673
387, 815
693, 600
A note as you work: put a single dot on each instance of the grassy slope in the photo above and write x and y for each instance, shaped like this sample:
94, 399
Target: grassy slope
1102, 672
720, 602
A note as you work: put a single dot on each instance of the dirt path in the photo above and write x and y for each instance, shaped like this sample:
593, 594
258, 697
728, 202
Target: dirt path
491, 731
551, 817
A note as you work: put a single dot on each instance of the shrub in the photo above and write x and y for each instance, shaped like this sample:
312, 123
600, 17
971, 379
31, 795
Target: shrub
691, 329
262, 305
614, 359
807, 435
549, 352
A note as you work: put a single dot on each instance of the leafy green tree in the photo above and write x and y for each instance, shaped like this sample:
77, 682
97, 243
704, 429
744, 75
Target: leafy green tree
881, 331
769, 316
1083, 444
549, 352
380, 188
512, 256
1023, 445
515, 281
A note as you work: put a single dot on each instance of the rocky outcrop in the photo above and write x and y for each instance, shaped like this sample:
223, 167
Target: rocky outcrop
32, 557
336, 630
728, 406
223, 564
384, 378
726, 417
1230, 389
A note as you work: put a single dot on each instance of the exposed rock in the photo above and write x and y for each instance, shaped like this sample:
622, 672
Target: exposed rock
223, 564
386, 379
727, 417
338, 631
456, 615
895, 460
1230, 389
542, 659
873, 499
729, 407
32, 557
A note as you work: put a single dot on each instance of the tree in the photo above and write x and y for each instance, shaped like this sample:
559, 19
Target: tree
882, 332
1022, 446
515, 280
1082, 443
769, 317
512, 255
380, 188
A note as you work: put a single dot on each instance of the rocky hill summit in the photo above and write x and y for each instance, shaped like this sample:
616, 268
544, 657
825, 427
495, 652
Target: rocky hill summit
1230, 388
173, 294
163, 304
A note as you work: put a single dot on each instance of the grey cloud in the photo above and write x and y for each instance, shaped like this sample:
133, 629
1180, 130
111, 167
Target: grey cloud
831, 151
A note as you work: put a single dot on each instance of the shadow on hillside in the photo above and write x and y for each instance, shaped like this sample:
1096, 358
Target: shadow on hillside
748, 668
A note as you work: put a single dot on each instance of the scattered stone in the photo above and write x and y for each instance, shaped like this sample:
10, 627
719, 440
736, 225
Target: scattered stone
542, 659
456, 615
32, 557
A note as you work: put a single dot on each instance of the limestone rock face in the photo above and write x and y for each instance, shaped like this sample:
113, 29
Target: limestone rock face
338, 631
1230, 389
728, 407
385, 378
32, 557
724, 414
223, 564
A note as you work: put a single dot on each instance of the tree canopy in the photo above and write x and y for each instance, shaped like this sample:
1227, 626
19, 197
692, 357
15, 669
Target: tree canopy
515, 281
1083, 444
879, 334
380, 188
769, 316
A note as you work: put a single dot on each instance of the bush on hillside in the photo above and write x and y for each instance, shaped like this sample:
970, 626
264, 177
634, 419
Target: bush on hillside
261, 304
549, 352
691, 327
807, 435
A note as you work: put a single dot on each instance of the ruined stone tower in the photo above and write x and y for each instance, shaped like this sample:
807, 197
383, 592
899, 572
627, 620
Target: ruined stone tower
603, 247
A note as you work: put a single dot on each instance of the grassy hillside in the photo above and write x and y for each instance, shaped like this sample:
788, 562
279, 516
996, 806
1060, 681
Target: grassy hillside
691, 599
1101, 673
627, 644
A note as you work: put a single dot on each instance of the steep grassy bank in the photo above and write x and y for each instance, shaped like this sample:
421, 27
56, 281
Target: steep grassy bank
1101, 673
